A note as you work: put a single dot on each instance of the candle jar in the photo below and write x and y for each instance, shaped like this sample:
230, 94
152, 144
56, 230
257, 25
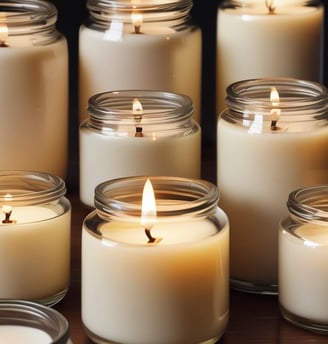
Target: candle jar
283, 38
33, 88
271, 139
172, 289
303, 256
29, 323
34, 237
139, 45
137, 133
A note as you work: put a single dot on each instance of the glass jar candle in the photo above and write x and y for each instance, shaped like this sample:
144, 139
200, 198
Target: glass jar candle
271, 139
132, 133
303, 257
283, 38
155, 253
139, 45
34, 237
33, 88
31, 323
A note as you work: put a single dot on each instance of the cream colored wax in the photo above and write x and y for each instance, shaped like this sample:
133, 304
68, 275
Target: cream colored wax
175, 291
251, 43
34, 253
303, 277
256, 173
34, 106
105, 156
158, 59
14, 334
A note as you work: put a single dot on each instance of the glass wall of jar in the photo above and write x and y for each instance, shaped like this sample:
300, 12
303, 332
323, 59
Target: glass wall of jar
265, 38
272, 139
132, 133
139, 45
171, 241
303, 257
30, 323
33, 88
34, 237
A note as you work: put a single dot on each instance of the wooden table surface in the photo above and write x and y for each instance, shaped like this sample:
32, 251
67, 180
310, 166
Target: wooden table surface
254, 319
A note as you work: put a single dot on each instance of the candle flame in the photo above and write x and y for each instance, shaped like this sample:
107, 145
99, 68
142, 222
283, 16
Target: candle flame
275, 112
137, 107
148, 207
274, 97
137, 20
270, 5
3, 34
7, 208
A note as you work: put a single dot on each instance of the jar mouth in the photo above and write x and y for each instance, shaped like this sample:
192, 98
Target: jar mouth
174, 196
309, 203
294, 95
30, 188
35, 315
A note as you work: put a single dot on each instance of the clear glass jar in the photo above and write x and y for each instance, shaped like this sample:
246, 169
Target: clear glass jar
271, 139
34, 237
29, 323
33, 88
303, 256
139, 45
132, 133
160, 286
260, 27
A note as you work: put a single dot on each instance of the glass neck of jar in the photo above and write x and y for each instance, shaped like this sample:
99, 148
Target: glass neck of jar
22, 188
309, 204
29, 23
176, 198
156, 111
173, 13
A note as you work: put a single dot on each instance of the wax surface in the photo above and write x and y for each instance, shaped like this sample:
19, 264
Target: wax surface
14, 334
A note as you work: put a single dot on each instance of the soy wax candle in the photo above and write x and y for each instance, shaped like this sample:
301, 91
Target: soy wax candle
34, 237
132, 133
303, 257
155, 262
33, 88
268, 38
271, 139
139, 45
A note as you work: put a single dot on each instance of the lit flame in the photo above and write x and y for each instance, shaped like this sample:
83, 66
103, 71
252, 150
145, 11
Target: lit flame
275, 113
6, 209
148, 207
3, 34
274, 97
137, 20
137, 107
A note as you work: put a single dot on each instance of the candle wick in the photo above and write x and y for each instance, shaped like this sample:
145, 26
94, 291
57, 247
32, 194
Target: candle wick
3, 45
269, 5
151, 239
137, 29
7, 218
138, 132
274, 125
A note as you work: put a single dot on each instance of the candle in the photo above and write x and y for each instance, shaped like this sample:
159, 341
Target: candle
33, 89
34, 238
164, 55
138, 290
137, 133
253, 42
303, 253
260, 164
31, 323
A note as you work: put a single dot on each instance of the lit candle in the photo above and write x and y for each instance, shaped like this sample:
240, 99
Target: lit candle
137, 133
34, 239
33, 89
303, 257
259, 164
262, 38
151, 273
140, 46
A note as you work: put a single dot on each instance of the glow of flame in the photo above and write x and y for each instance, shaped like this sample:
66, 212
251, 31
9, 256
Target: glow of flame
148, 207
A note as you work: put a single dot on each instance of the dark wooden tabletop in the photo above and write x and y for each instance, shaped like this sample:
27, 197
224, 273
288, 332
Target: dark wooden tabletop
254, 319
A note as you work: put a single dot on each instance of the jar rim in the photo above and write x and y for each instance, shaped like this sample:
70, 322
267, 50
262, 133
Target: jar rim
174, 196
30, 187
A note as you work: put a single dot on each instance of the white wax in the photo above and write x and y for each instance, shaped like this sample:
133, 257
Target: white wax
256, 173
104, 157
253, 44
34, 253
169, 61
14, 334
34, 107
159, 293
303, 277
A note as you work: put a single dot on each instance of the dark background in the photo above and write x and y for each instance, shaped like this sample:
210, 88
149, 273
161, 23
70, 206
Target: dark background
72, 13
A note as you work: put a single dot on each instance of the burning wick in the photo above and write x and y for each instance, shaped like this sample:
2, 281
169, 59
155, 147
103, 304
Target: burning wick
137, 111
137, 21
7, 211
3, 35
270, 5
148, 211
275, 113
138, 132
